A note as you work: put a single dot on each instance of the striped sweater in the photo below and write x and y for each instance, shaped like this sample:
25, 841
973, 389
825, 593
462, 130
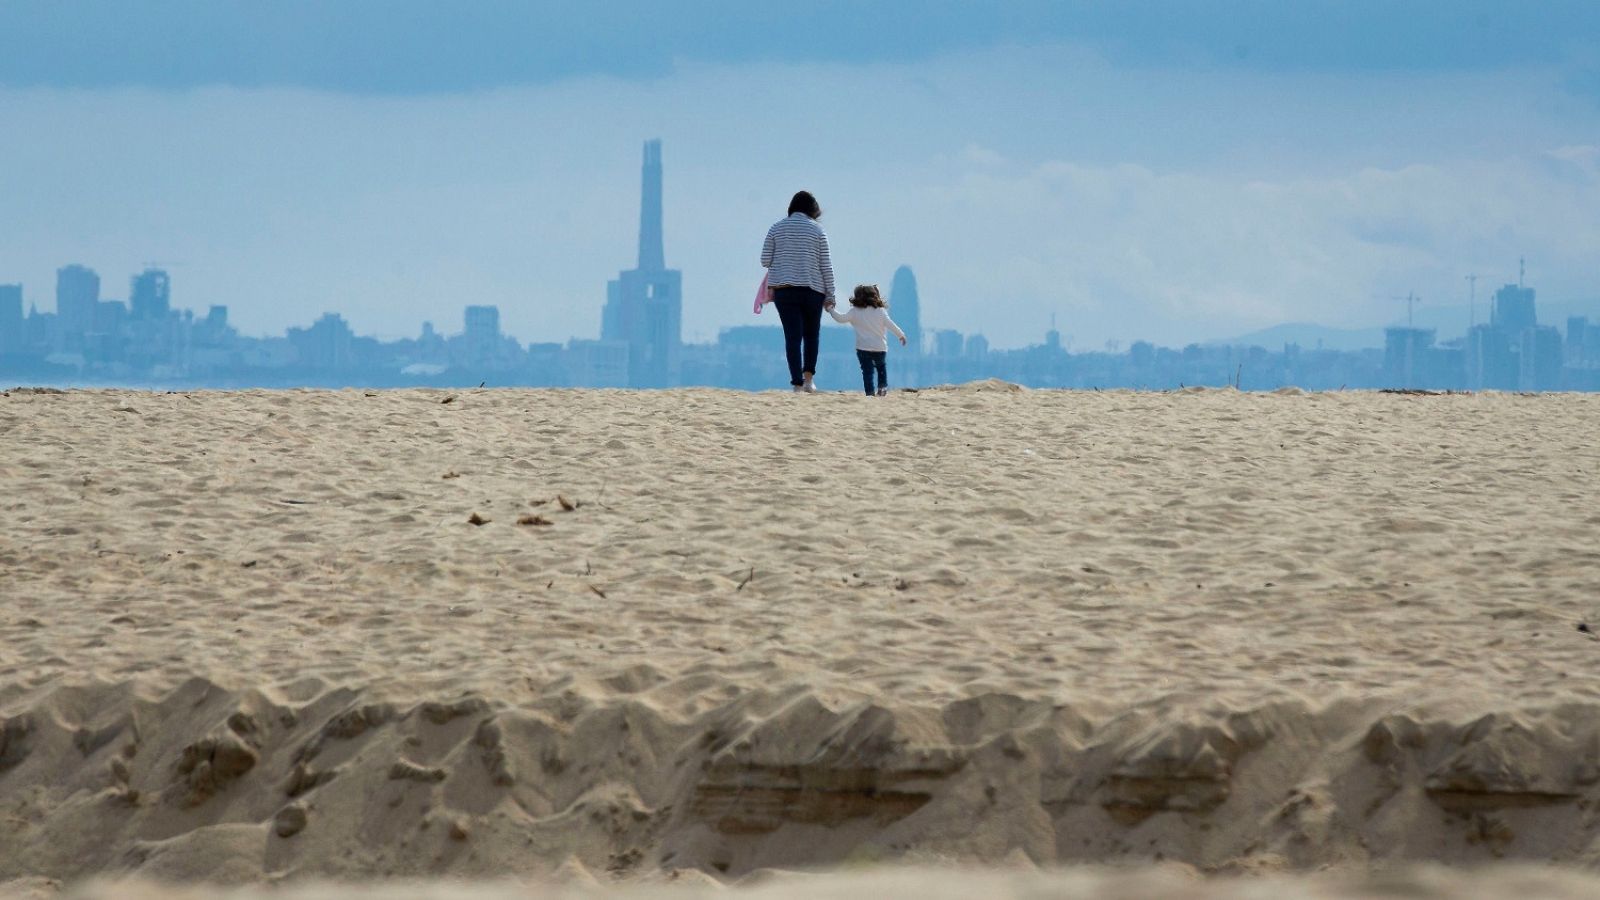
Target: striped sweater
796, 254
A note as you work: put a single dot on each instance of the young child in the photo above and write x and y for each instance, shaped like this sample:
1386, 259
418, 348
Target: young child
869, 316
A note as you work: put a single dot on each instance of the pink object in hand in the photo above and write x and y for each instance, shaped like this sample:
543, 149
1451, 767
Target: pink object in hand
761, 295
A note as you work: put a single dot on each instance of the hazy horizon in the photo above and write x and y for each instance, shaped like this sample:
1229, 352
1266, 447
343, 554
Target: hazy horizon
1182, 177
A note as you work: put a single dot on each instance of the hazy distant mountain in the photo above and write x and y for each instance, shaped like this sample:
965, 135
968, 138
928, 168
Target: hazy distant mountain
1449, 321
1309, 337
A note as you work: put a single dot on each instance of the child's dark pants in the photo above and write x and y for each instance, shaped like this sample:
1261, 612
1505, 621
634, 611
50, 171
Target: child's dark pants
874, 361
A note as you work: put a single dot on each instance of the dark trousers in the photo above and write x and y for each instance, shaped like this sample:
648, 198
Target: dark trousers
874, 361
800, 310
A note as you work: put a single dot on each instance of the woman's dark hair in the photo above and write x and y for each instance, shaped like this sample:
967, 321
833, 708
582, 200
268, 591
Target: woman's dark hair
867, 295
805, 203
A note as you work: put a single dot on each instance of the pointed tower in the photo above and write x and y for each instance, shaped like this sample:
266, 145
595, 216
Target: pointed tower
644, 305
652, 258
905, 308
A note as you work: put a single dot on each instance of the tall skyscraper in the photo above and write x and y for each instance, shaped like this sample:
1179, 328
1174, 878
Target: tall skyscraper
1540, 359
10, 318
150, 295
1512, 352
644, 305
483, 322
1513, 309
482, 345
1577, 349
77, 296
905, 308
652, 253
1491, 363
1405, 357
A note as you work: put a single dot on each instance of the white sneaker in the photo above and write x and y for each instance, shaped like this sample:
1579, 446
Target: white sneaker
799, 390
808, 387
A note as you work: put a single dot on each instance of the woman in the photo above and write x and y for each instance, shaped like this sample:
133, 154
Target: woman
800, 277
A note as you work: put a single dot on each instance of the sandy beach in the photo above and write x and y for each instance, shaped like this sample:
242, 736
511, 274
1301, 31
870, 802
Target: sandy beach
692, 635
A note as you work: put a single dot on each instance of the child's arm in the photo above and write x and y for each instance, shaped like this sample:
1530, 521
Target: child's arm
896, 329
841, 319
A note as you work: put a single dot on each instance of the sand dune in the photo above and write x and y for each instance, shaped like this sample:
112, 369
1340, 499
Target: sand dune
494, 633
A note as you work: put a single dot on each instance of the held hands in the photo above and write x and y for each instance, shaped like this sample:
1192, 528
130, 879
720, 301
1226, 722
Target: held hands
829, 305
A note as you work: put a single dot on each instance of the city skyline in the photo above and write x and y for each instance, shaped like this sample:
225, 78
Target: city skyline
641, 343
1438, 318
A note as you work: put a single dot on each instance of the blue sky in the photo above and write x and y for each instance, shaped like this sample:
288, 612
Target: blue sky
428, 46
1171, 170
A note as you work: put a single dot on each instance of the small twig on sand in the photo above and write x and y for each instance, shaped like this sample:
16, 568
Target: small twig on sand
746, 580
598, 592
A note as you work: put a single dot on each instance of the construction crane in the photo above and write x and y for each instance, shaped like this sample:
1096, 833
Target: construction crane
1411, 300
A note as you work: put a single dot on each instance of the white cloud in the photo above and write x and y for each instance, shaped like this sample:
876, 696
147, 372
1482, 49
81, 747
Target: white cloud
981, 156
1127, 251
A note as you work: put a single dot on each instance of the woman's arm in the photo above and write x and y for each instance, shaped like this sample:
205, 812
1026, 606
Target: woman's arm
827, 265
768, 247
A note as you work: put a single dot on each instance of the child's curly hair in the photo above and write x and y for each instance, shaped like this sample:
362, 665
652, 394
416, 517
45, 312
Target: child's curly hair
867, 295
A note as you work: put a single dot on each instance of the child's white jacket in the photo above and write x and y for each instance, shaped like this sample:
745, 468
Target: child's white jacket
872, 325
